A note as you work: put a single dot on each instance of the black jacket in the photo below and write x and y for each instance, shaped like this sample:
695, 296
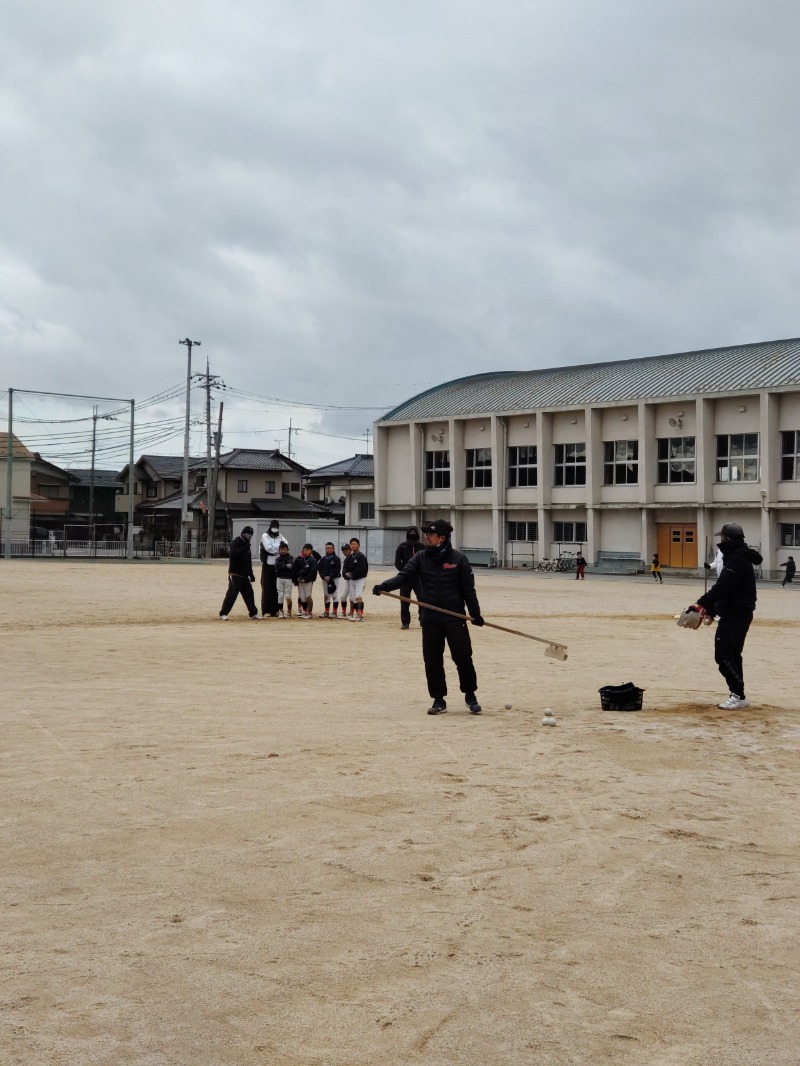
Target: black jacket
330, 566
442, 577
284, 565
241, 562
355, 566
735, 589
405, 551
305, 570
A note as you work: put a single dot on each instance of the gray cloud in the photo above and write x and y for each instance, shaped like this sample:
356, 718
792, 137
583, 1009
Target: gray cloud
349, 202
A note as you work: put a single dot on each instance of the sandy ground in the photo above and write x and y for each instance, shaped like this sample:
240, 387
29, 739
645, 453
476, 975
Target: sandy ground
246, 842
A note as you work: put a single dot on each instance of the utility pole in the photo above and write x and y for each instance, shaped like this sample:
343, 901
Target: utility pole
210, 381
212, 489
185, 518
367, 434
289, 446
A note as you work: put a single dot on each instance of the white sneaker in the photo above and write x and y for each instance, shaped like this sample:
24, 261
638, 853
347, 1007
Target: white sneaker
734, 702
223, 618
281, 614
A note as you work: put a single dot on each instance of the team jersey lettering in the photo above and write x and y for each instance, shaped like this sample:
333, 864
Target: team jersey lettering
449, 566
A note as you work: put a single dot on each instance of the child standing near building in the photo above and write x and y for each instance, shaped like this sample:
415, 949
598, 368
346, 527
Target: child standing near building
284, 572
305, 574
356, 569
344, 583
655, 570
330, 574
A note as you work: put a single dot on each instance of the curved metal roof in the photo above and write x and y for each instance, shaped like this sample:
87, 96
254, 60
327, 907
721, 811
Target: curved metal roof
745, 367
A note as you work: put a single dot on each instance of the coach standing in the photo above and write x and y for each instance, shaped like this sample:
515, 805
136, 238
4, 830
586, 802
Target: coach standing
240, 575
732, 600
442, 577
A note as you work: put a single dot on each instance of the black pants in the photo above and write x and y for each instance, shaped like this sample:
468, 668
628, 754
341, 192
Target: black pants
456, 635
239, 585
405, 608
728, 646
269, 590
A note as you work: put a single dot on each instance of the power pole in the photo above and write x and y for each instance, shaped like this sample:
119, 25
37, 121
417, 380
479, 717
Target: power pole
212, 489
185, 517
210, 381
289, 446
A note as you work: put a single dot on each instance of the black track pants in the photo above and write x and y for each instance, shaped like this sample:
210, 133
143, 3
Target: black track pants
269, 590
239, 585
456, 635
728, 646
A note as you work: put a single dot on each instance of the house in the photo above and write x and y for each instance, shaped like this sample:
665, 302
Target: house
619, 459
251, 483
347, 488
15, 513
93, 497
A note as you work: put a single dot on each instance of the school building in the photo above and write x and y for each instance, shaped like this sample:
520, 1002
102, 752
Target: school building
620, 459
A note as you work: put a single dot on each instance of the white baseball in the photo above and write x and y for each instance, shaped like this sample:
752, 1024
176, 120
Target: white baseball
548, 721
508, 706
548, 713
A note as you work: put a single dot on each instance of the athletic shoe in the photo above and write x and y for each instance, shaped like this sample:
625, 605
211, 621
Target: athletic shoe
438, 707
254, 617
734, 703
223, 618
471, 701
405, 627
281, 614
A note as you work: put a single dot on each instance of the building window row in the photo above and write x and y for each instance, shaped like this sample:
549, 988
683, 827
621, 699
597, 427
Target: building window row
738, 459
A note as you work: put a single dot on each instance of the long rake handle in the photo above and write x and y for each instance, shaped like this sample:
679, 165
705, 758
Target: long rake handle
466, 618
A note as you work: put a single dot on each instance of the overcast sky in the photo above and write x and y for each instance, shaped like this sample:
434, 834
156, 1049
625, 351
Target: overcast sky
349, 202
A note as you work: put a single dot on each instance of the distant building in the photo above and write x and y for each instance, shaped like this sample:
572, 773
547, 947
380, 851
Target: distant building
621, 459
346, 488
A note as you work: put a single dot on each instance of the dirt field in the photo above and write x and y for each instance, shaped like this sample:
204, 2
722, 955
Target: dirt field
246, 842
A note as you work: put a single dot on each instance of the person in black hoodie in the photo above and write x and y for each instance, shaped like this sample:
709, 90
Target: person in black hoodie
240, 576
442, 577
732, 600
410, 546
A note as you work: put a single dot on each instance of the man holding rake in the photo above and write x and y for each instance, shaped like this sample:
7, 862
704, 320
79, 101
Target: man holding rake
442, 577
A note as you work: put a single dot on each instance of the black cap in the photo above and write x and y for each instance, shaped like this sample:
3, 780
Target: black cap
731, 530
346, 547
247, 529
440, 527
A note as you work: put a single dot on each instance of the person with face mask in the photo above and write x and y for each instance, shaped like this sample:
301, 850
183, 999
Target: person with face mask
240, 576
268, 551
442, 577
410, 546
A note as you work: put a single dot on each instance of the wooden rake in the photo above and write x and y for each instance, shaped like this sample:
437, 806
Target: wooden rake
554, 649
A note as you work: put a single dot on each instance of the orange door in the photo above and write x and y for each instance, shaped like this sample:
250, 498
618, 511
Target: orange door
677, 545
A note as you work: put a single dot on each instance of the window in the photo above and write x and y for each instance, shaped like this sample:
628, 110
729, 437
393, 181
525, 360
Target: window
522, 467
569, 532
737, 457
621, 462
269, 488
294, 486
50, 492
366, 512
790, 455
151, 491
675, 460
571, 464
437, 470
241, 486
479, 468
790, 535
527, 531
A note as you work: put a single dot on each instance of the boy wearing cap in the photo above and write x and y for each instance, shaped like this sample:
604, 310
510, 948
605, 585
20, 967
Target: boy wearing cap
732, 600
442, 577
240, 576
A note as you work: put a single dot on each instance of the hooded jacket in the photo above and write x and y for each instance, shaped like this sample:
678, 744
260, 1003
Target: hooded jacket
442, 577
241, 562
410, 546
734, 591
329, 566
269, 547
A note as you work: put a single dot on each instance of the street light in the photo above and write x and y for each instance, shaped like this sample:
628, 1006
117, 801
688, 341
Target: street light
185, 500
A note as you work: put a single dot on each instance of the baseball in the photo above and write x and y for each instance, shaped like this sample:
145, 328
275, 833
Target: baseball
548, 721
549, 713
508, 706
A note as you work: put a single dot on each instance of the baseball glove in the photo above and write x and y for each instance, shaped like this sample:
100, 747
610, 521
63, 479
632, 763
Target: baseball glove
692, 617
